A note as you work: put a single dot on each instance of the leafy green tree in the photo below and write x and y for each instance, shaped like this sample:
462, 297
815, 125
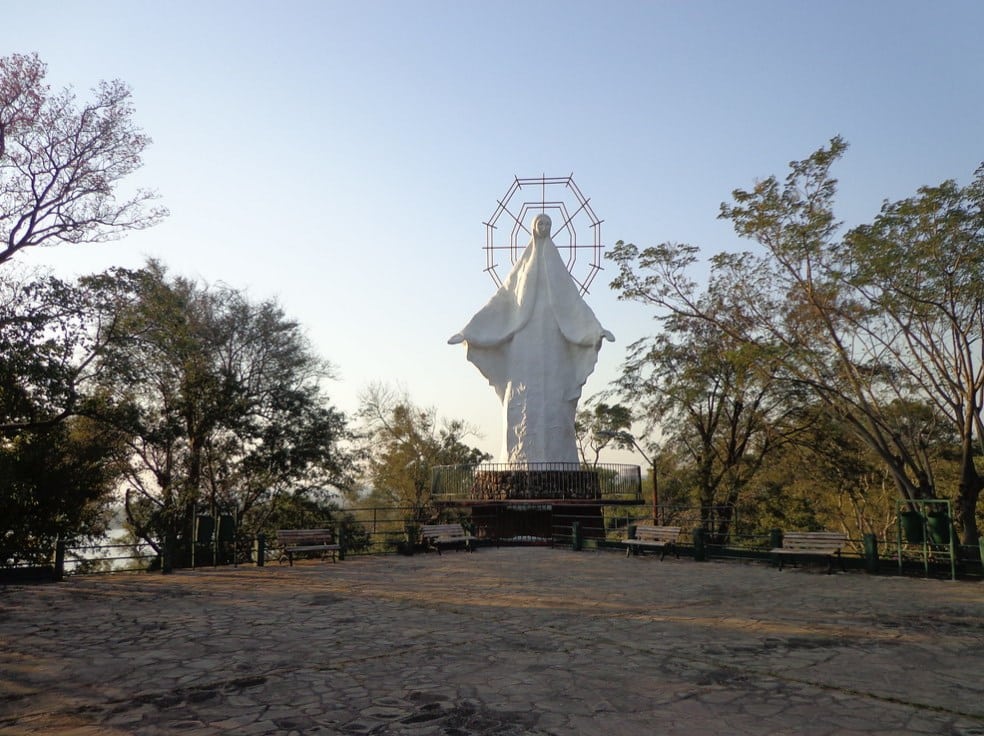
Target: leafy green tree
920, 265
403, 443
60, 166
846, 319
719, 402
60, 163
54, 483
45, 348
56, 471
220, 402
601, 425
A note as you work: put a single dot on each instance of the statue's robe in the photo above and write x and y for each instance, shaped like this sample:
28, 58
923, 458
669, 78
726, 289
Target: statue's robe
536, 341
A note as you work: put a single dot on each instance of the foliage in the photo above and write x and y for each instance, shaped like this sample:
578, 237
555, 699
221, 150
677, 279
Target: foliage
920, 265
56, 469
403, 443
219, 400
46, 347
54, 483
886, 317
598, 427
60, 162
719, 402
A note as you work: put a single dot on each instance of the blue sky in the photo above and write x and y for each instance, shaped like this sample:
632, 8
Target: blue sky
343, 156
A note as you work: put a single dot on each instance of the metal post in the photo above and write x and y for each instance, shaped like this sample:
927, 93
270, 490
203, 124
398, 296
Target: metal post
167, 553
700, 544
870, 552
59, 559
215, 532
655, 496
260, 549
194, 534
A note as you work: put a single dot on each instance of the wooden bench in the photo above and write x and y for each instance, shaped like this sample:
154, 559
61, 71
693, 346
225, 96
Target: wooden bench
655, 537
812, 544
306, 540
446, 535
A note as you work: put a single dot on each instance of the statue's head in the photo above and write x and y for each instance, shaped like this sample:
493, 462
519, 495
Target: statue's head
541, 226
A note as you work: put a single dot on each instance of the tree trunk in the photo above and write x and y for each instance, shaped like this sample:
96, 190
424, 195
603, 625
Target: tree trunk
969, 492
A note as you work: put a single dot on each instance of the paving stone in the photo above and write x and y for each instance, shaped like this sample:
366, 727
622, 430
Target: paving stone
505, 641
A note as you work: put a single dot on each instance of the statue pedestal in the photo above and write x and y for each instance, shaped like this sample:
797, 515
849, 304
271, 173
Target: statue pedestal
536, 505
525, 484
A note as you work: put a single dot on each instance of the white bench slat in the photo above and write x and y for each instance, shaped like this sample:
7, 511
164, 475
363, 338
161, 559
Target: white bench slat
812, 544
439, 535
657, 537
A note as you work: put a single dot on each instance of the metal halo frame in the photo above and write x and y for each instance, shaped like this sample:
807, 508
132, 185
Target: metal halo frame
582, 217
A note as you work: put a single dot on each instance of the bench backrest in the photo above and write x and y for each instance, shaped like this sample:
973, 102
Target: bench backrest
289, 537
651, 533
826, 541
442, 530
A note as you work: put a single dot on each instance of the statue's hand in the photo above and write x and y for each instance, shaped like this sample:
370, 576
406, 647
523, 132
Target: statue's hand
455, 339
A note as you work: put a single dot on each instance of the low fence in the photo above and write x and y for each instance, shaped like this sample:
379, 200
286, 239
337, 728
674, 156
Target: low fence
708, 533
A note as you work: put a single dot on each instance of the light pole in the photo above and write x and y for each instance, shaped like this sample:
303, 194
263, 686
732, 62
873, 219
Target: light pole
628, 438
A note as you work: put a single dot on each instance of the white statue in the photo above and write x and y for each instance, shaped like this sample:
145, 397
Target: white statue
536, 342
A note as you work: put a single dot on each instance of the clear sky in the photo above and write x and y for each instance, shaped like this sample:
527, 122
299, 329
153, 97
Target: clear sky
342, 156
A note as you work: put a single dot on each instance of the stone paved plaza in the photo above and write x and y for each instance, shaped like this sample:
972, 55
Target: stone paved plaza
503, 641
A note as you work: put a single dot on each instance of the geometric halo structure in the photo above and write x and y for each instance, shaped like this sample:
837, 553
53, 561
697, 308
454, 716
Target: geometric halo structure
568, 222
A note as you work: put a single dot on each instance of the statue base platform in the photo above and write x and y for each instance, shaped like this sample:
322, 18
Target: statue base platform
536, 503
535, 484
570, 483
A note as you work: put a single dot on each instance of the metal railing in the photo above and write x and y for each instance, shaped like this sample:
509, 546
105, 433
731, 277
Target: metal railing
604, 482
377, 530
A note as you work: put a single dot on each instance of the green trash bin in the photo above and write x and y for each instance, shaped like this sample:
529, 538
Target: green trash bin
870, 553
775, 538
700, 544
259, 549
912, 526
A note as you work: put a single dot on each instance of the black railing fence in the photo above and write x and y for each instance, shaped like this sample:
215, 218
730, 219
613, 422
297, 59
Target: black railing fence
604, 482
710, 532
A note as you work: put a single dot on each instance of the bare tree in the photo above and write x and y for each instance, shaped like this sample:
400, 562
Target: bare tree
61, 163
